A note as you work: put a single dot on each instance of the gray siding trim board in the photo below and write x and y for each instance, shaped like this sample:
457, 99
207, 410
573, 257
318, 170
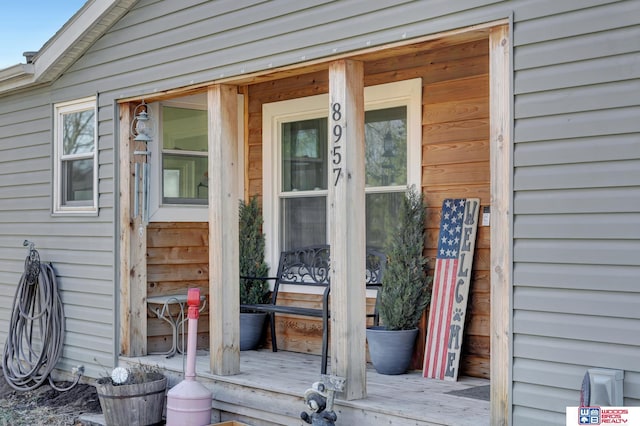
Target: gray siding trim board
619, 331
526, 10
530, 399
579, 175
576, 48
596, 71
587, 200
619, 278
548, 373
572, 23
581, 252
625, 226
599, 148
618, 94
603, 303
574, 352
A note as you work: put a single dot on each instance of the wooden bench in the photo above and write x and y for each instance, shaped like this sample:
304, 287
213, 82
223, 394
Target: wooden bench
309, 266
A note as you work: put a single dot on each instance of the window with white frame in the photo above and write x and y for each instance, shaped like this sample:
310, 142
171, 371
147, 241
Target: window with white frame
75, 171
184, 154
180, 158
295, 164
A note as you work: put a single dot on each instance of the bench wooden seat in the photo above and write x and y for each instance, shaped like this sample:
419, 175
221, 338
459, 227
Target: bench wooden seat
309, 266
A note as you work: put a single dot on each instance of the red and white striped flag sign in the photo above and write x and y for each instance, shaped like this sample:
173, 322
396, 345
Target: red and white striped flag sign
450, 292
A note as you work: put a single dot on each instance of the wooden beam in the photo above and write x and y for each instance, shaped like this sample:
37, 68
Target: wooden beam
406, 46
224, 317
347, 225
244, 91
501, 160
125, 228
133, 246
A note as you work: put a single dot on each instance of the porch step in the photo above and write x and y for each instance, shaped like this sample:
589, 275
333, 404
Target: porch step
269, 391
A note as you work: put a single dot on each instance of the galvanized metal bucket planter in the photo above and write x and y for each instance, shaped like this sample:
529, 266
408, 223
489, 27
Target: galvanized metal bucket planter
138, 404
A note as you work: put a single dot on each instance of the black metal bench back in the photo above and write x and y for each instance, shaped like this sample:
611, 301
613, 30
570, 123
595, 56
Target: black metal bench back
376, 262
310, 266
305, 266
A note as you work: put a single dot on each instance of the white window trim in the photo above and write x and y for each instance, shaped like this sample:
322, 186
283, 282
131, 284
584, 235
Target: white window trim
159, 212
407, 92
77, 105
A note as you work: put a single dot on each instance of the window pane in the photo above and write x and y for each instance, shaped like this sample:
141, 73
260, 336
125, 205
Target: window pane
304, 155
78, 132
184, 129
304, 221
185, 179
382, 211
386, 146
77, 181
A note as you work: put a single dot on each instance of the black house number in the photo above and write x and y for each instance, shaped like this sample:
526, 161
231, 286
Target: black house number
336, 150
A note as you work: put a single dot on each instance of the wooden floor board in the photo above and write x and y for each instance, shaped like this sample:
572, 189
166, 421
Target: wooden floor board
274, 383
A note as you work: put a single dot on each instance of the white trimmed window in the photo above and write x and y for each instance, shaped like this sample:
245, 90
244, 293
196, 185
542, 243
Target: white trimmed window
75, 170
179, 159
295, 164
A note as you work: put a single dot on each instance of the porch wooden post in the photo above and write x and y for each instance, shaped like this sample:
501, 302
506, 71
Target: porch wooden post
133, 251
501, 158
224, 307
347, 225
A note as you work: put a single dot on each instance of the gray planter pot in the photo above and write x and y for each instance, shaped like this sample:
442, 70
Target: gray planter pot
391, 350
251, 325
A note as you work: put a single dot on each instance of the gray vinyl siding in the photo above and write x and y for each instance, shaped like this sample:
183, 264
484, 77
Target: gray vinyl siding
576, 174
164, 45
80, 248
577, 205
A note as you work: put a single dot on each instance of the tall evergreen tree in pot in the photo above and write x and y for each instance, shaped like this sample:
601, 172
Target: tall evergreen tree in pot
252, 264
406, 289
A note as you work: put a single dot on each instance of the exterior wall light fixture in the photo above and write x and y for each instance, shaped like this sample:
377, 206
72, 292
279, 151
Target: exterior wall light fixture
141, 126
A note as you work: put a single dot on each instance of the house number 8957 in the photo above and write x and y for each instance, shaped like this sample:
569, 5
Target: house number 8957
336, 154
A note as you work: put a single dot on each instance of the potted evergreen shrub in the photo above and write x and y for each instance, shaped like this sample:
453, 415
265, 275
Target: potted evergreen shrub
252, 264
405, 292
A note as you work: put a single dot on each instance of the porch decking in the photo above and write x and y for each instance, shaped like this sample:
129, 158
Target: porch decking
269, 391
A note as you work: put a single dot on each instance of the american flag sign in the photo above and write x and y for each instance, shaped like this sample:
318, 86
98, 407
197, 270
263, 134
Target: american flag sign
456, 243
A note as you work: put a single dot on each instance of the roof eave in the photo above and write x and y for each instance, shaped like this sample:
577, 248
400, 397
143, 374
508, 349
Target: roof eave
66, 46
16, 75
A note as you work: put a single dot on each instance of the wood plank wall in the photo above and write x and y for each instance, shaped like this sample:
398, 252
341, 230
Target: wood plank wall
455, 164
177, 259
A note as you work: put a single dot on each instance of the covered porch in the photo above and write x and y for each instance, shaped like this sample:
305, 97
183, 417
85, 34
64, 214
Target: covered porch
464, 150
270, 386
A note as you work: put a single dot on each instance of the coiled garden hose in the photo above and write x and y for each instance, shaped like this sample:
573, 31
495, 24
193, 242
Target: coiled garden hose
36, 330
